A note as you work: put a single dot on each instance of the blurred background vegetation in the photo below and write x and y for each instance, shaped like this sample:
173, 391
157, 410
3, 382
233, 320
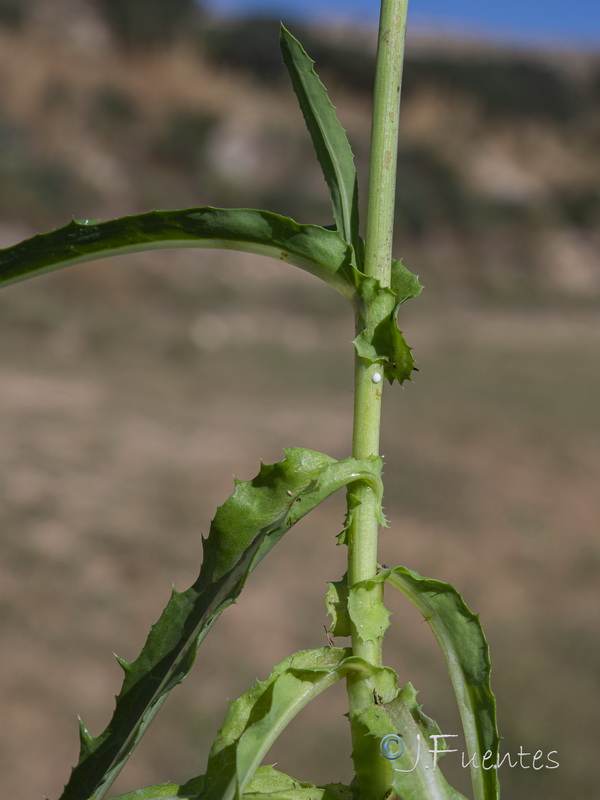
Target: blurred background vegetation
132, 389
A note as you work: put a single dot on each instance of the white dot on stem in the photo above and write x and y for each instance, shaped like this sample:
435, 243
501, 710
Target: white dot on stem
376, 377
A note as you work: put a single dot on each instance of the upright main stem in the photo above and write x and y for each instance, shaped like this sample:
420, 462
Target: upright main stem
363, 532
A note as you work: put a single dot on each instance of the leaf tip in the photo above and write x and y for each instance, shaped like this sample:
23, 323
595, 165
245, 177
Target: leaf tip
85, 737
125, 665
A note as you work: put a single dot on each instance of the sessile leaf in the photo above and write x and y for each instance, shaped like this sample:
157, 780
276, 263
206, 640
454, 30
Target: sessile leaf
404, 283
317, 250
243, 531
336, 603
461, 638
371, 622
328, 137
380, 341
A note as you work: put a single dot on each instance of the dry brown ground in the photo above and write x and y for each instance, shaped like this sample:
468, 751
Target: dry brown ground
120, 429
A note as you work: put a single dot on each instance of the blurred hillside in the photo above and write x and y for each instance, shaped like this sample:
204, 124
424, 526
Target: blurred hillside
499, 188
132, 389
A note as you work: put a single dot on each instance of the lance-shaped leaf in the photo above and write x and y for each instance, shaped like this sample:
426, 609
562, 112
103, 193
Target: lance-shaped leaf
328, 136
243, 531
267, 784
319, 251
271, 784
463, 643
257, 718
160, 791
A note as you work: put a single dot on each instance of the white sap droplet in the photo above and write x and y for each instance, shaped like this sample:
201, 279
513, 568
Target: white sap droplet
376, 377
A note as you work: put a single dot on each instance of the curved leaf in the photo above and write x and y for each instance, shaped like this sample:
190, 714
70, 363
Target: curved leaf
328, 137
322, 252
270, 784
319, 251
256, 719
463, 643
267, 784
243, 531
160, 791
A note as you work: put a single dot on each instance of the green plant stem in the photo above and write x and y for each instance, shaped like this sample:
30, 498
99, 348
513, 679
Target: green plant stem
384, 140
363, 531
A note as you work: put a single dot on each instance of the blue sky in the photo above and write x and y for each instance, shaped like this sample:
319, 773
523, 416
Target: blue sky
576, 21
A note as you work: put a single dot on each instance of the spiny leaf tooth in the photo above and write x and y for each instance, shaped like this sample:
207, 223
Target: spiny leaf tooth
86, 740
84, 222
267, 470
125, 665
382, 520
294, 452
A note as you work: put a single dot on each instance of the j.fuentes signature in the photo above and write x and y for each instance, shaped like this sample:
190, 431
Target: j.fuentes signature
392, 747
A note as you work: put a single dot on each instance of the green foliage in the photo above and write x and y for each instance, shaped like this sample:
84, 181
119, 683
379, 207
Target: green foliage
380, 341
243, 531
412, 775
245, 44
270, 784
462, 641
427, 779
266, 784
256, 719
319, 251
161, 791
506, 85
329, 139
336, 603
259, 512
